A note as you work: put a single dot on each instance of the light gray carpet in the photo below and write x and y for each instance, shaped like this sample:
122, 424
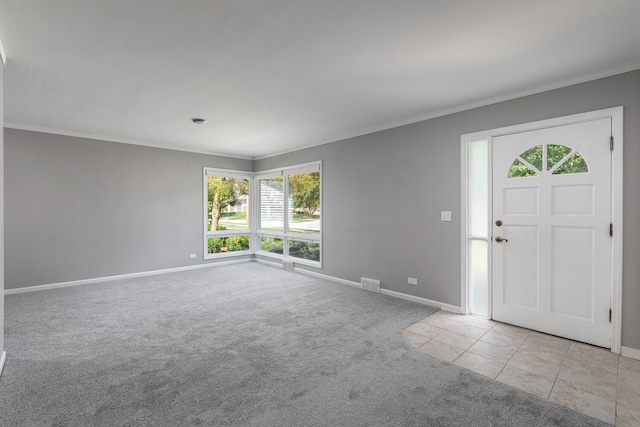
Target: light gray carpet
239, 345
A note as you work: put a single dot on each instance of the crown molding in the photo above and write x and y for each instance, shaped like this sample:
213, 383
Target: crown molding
53, 131
466, 107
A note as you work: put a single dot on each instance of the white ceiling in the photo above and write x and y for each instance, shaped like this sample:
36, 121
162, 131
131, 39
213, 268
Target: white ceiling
273, 76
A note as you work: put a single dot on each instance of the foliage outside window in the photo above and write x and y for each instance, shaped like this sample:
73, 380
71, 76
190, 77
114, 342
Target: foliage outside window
290, 213
285, 224
305, 250
227, 223
217, 245
304, 201
560, 160
272, 245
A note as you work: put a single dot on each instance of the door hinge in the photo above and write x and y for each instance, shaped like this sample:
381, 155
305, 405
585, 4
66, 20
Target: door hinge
611, 143
611, 229
610, 313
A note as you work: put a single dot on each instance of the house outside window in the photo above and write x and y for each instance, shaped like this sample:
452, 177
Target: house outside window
290, 213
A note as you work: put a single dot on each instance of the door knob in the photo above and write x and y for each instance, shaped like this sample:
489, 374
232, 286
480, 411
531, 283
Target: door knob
500, 239
498, 223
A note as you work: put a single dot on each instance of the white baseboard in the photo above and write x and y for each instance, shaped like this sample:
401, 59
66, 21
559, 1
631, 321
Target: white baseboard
120, 276
326, 277
629, 352
3, 358
311, 273
394, 294
269, 263
419, 300
424, 301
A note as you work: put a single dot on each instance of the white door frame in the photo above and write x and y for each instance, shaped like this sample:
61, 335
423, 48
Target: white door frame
616, 116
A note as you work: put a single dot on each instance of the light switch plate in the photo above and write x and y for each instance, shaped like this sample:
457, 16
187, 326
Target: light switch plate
445, 216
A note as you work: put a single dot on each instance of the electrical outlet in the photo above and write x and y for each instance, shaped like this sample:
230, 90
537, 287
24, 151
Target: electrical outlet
412, 281
192, 256
445, 216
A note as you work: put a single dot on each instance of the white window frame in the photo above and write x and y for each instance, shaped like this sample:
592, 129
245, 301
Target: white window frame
207, 171
616, 115
286, 235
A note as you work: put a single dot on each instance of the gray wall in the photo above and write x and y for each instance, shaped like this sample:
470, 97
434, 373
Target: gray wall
80, 208
383, 193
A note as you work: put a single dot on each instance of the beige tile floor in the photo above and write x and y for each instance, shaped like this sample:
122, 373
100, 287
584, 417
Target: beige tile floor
585, 378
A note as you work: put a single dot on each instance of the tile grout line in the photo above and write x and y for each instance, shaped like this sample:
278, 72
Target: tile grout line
511, 357
476, 340
518, 348
564, 358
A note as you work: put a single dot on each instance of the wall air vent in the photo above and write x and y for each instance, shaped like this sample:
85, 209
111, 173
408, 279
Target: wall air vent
370, 284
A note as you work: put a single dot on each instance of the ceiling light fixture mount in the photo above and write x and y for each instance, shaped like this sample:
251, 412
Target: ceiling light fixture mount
199, 121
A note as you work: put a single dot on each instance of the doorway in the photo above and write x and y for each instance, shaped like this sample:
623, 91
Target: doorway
542, 237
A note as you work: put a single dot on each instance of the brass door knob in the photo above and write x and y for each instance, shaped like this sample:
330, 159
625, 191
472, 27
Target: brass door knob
500, 239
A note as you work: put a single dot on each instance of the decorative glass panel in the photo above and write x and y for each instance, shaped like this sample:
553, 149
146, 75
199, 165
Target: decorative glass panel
519, 169
533, 156
478, 188
575, 164
478, 278
573, 161
555, 154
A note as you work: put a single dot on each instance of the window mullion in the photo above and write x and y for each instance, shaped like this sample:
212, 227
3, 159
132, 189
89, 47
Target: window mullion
303, 233
285, 201
235, 237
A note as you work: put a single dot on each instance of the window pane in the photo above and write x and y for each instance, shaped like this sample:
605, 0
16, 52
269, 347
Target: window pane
228, 244
575, 164
272, 204
519, 169
271, 244
304, 202
555, 153
534, 156
479, 281
478, 188
228, 203
304, 250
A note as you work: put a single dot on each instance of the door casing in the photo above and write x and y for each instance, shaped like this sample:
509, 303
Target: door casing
616, 116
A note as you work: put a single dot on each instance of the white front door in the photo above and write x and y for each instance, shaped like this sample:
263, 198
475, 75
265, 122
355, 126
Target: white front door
552, 210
